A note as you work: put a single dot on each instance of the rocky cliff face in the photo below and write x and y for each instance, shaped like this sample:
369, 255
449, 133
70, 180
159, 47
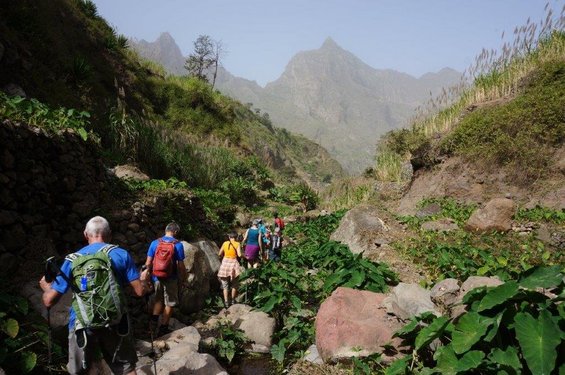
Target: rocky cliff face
164, 50
333, 98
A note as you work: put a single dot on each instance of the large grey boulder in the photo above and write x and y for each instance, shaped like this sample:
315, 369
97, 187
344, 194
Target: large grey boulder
359, 229
202, 264
409, 300
257, 325
445, 292
180, 356
495, 216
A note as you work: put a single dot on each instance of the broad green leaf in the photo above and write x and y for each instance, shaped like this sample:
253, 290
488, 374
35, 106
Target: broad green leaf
495, 325
408, 328
506, 358
431, 332
542, 277
502, 261
270, 304
83, 133
538, 340
471, 360
470, 328
498, 295
357, 277
562, 369
11, 327
398, 367
28, 361
446, 360
296, 302
278, 351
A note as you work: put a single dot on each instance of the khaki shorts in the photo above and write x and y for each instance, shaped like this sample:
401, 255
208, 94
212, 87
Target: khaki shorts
167, 291
106, 341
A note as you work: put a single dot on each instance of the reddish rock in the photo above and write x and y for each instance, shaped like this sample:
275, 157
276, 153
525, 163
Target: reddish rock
353, 323
495, 216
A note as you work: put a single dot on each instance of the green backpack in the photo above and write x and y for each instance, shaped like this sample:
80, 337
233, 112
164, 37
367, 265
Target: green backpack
100, 302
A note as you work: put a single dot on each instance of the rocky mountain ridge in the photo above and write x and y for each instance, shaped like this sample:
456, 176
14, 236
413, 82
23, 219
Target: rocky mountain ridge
333, 98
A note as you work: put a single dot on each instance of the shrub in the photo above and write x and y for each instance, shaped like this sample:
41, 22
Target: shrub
511, 328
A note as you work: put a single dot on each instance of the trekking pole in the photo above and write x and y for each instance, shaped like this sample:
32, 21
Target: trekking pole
153, 354
146, 296
49, 277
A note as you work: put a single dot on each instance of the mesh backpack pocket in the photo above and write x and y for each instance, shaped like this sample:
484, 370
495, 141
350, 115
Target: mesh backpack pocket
100, 302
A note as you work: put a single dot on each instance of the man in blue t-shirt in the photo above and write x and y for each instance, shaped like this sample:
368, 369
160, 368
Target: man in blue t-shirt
166, 289
118, 350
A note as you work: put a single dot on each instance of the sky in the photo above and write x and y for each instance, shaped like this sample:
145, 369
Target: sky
261, 36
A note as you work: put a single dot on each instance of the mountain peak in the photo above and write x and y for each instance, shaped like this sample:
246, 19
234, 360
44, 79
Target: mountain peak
329, 43
165, 37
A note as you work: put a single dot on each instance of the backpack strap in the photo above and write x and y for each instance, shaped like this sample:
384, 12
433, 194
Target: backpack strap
109, 247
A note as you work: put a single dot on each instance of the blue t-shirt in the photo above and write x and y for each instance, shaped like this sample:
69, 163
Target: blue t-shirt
179, 253
122, 264
253, 236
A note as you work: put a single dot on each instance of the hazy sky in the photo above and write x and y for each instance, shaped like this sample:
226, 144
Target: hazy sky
261, 36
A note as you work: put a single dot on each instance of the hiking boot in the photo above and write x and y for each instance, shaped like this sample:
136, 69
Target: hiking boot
163, 330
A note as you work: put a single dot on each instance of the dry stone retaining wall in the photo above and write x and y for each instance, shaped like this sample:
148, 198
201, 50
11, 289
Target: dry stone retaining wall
51, 184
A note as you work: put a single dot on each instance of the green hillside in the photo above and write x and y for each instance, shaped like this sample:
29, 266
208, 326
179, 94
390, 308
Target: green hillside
65, 55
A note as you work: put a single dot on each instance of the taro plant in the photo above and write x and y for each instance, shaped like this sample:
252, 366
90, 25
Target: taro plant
230, 341
517, 327
23, 338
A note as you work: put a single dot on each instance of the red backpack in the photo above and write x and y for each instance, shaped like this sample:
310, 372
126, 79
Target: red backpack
279, 222
163, 260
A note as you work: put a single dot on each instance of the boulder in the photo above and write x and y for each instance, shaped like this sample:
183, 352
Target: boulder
202, 265
182, 356
127, 171
409, 300
445, 292
257, 325
353, 323
359, 227
468, 285
495, 216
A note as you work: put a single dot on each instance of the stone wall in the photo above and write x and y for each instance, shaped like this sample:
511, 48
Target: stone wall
50, 185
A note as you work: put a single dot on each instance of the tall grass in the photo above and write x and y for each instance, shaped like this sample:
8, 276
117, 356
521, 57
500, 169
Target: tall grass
495, 76
347, 192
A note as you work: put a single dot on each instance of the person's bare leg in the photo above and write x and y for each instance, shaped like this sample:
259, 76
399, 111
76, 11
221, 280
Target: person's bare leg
226, 295
168, 311
158, 308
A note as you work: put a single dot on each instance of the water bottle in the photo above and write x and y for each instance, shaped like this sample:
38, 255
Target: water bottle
83, 281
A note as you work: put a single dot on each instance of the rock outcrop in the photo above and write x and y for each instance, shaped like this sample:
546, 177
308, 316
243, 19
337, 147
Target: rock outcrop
352, 323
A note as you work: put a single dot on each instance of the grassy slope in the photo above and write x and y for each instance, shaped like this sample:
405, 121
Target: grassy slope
512, 119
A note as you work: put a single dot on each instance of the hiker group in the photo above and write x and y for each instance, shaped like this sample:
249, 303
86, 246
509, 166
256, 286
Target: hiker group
260, 243
98, 274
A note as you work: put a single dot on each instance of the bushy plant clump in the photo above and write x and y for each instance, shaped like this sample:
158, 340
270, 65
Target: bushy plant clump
33, 112
517, 327
309, 271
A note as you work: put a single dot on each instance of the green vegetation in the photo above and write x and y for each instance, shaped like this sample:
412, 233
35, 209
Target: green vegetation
24, 338
512, 328
310, 270
460, 254
540, 214
230, 341
33, 112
